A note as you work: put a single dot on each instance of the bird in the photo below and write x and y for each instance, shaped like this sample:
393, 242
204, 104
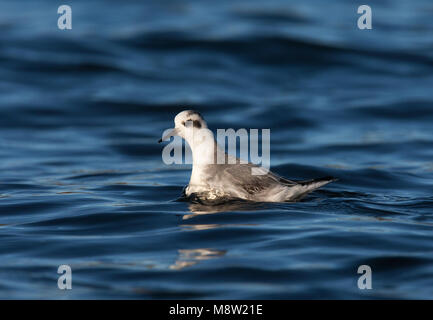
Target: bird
217, 176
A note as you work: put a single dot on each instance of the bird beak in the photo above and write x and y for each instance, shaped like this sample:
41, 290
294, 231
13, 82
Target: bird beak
168, 135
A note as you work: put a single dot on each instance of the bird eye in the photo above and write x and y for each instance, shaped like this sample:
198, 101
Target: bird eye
196, 124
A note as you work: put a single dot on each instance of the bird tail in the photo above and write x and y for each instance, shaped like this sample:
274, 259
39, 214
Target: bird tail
316, 183
306, 186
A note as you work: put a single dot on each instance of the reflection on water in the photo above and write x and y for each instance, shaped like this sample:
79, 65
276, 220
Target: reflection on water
199, 227
232, 206
189, 257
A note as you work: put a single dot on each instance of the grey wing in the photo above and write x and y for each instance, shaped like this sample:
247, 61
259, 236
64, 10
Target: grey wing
241, 175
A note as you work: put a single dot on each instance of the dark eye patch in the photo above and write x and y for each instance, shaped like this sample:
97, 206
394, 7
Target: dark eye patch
195, 123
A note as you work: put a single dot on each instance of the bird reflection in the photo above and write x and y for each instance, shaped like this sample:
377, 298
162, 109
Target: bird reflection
208, 208
189, 257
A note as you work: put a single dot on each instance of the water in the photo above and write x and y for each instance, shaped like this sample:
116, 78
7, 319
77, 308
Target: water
82, 181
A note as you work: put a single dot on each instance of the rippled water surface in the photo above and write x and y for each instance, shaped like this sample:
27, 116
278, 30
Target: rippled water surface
82, 181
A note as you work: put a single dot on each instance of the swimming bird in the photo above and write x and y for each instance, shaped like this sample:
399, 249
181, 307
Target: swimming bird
216, 175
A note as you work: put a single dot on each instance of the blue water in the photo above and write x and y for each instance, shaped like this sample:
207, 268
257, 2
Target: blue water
82, 181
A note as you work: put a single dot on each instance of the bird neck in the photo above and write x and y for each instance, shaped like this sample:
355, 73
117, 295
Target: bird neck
204, 153
203, 146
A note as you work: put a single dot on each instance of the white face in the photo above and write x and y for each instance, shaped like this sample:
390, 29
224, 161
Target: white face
185, 123
188, 120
